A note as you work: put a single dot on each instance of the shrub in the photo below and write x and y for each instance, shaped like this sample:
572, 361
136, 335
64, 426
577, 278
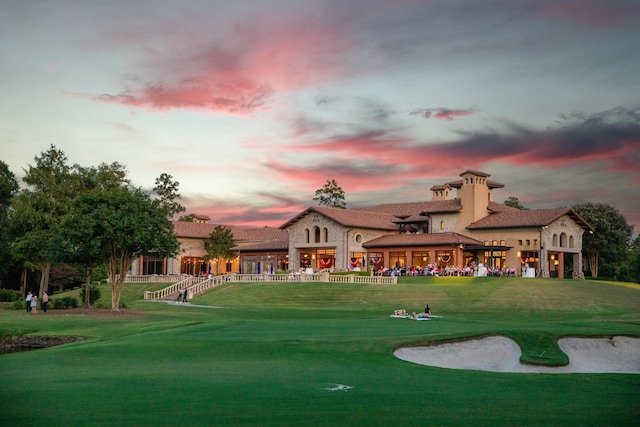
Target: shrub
94, 295
18, 305
9, 295
66, 302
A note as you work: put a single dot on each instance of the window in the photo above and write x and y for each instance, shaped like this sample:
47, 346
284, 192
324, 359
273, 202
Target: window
326, 234
441, 225
358, 238
316, 233
376, 260
398, 259
306, 235
152, 265
420, 259
503, 243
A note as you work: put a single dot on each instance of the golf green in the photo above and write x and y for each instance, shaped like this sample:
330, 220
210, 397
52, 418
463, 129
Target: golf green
320, 354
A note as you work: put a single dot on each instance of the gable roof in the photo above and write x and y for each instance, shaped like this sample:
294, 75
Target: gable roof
264, 239
200, 230
406, 210
422, 239
349, 218
515, 218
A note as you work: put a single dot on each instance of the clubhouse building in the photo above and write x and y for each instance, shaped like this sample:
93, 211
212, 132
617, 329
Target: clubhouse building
460, 227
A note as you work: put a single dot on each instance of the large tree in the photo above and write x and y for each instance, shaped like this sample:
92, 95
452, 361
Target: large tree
8, 188
331, 195
71, 240
607, 247
219, 245
38, 209
118, 224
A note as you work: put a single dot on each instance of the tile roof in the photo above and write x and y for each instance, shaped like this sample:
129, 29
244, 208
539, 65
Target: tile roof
515, 218
201, 230
422, 239
263, 239
406, 210
349, 218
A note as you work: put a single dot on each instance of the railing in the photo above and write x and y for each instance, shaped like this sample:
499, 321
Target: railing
172, 289
155, 278
198, 285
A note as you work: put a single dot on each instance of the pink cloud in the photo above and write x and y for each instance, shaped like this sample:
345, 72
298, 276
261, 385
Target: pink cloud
238, 74
441, 113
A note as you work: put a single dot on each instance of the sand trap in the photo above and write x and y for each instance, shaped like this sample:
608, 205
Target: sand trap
501, 354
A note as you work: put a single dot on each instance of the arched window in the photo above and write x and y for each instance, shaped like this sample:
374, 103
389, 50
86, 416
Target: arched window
571, 242
326, 234
555, 240
563, 240
316, 233
306, 235
441, 225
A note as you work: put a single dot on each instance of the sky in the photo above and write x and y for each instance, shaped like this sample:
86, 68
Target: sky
253, 105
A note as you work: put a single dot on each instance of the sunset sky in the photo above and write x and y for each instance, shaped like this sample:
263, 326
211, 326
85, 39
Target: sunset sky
253, 105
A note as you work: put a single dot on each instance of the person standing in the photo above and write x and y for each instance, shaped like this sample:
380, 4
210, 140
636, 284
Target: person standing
45, 301
186, 295
34, 303
28, 302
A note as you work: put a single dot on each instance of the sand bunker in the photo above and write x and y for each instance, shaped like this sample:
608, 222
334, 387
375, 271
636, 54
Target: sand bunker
501, 354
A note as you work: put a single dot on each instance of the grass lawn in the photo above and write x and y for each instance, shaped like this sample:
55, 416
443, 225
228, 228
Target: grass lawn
320, 354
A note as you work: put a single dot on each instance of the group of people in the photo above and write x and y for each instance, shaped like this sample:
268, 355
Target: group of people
31, 302
424, 315
183, 294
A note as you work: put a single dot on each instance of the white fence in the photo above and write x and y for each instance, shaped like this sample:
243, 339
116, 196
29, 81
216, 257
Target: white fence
198, 285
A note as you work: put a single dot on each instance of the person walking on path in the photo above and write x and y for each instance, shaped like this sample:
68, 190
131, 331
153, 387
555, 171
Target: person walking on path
180, 296
186, 294
34, 303
45, 301
27, 302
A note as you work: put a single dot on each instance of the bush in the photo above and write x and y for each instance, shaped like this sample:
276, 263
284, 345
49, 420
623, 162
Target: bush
9, 295
66, 302
94, 294
19, 305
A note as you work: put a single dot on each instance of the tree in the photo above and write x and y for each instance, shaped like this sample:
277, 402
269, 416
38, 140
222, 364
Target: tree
633, 265
513, 202
186, 218
167, 191
8, 188
331, 195
607, 246
38, 209
219, 245
116, 225
73, 246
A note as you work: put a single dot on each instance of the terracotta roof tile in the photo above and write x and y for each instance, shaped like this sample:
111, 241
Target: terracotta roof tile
201, 230
515, 218
422, 239
350, 218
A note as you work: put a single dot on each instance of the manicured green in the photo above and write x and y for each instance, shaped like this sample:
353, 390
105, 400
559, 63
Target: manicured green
275, 354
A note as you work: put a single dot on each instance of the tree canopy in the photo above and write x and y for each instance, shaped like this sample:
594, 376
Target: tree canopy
513, 202
167, 191
608, 245
8, 188
114, 226
331, 195
39, 208
219, 245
